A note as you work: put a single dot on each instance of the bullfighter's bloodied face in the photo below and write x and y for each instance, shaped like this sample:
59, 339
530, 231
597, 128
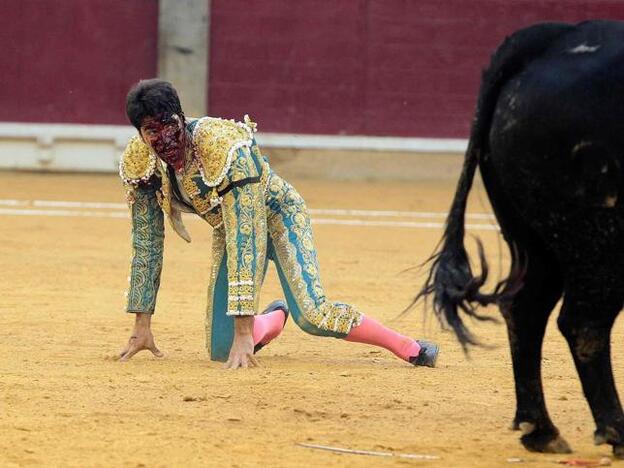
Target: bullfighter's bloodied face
166, 136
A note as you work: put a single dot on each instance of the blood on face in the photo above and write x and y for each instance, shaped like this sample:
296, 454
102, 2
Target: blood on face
165, 135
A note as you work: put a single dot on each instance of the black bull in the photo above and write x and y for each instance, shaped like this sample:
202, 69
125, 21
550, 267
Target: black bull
548, 138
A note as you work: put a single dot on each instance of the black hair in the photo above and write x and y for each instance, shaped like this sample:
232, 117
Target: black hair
151, 98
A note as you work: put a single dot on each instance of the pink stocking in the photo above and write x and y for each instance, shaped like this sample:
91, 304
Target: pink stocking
268, 326
372, 332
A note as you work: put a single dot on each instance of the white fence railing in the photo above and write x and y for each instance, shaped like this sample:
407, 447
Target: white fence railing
75, 147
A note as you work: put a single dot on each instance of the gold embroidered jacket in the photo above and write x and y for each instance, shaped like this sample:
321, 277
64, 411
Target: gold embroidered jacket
225, 180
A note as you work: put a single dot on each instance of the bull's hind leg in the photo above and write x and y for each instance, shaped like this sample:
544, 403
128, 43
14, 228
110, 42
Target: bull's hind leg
526, 317
589, 311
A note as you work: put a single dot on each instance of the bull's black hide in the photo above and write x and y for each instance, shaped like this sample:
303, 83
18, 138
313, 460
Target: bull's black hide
548, 138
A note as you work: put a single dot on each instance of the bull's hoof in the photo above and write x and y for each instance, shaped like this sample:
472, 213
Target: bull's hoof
610, 435
558, 445
514, 426
599, 438
544, 440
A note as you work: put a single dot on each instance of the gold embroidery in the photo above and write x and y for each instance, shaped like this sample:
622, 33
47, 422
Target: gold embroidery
265, 169
215, 143
188, 184
215, 199
137, 163
244, 216
165, 189
201, 204
130, 197
250, 123
173, 214
214, 218
291, 233
147, 249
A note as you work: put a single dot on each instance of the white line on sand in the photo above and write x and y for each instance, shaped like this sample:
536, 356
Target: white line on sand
314, 211
63, 204
395, 214
326, 221
63, 213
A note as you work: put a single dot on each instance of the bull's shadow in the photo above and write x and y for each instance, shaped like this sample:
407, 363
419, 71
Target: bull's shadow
548, 138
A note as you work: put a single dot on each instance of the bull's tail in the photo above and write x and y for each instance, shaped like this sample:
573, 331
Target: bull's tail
450, 280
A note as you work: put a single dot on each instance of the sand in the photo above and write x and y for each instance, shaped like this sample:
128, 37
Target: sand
66, 401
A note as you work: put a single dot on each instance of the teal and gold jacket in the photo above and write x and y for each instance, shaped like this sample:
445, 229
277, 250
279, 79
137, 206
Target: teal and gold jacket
225, 180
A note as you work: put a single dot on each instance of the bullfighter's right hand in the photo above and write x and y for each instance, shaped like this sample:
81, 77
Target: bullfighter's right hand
141, 338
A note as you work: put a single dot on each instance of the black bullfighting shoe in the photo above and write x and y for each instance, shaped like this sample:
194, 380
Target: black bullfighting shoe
428, 354
272, 307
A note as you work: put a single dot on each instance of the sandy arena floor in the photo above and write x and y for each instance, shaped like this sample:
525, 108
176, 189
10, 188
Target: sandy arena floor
66, 401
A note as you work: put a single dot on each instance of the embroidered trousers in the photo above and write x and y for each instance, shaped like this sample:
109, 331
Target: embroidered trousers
290, 247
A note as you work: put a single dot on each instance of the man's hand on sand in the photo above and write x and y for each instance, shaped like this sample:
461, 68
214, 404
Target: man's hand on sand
141, 339
242, 351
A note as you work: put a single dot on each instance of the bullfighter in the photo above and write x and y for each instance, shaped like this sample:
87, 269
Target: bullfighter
213, 168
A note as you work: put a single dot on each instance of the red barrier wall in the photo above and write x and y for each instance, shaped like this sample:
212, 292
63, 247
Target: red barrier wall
74, 60
356, 67
366, 67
